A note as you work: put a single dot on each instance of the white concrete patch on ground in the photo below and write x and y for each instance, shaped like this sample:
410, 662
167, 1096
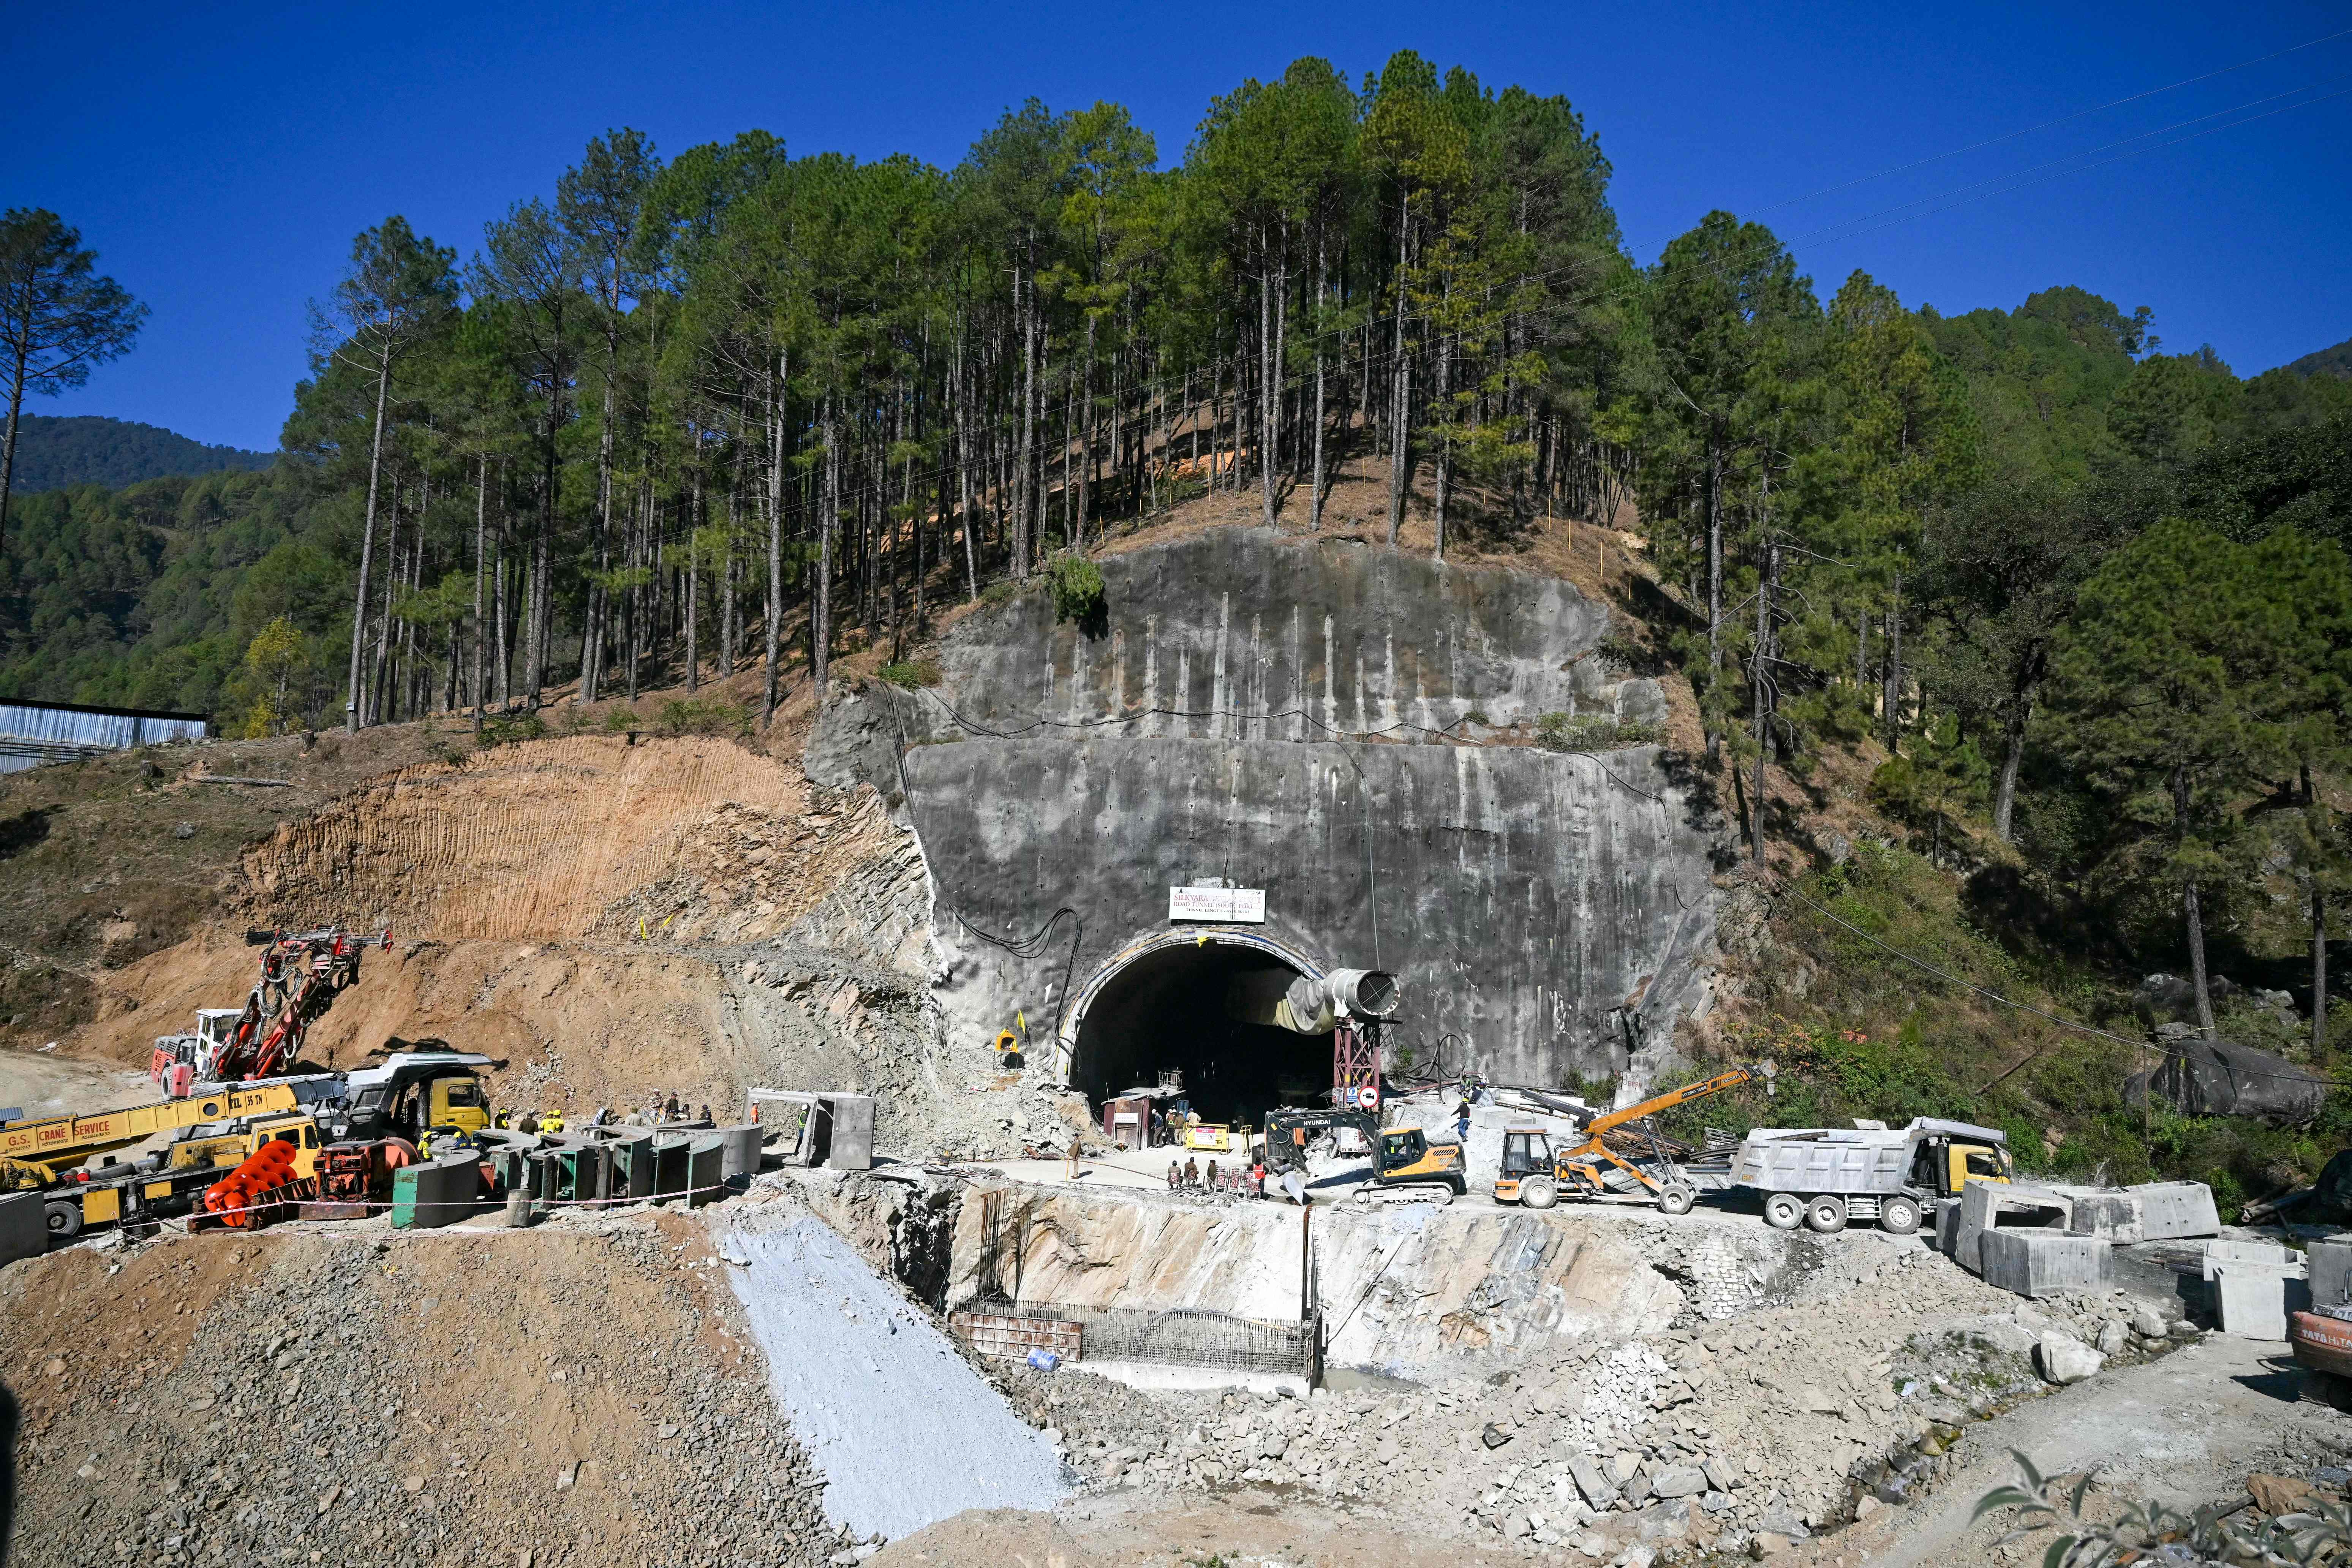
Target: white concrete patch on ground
906, 1432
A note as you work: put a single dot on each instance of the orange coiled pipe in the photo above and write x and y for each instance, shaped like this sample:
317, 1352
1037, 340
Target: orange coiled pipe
232, 1199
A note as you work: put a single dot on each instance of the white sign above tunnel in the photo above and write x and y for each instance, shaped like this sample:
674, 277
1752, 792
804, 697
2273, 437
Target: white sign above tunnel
1231, 906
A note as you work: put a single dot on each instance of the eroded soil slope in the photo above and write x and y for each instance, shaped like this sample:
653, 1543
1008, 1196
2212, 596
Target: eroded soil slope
610, 919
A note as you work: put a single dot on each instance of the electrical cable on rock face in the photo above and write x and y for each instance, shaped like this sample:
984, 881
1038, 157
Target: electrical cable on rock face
1033, 945
1357, 735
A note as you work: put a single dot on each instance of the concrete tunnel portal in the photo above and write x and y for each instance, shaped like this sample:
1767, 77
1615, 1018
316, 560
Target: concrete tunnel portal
1165, 1007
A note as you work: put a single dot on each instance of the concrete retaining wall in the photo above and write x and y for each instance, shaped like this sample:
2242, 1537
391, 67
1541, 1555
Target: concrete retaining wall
1553, 910
1411, 1291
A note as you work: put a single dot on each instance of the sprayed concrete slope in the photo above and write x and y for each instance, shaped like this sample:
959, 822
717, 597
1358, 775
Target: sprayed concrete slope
1334, 724
905, 1431
1412, 1292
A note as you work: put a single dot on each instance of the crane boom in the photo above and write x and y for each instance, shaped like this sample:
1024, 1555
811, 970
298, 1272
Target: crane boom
33, 1153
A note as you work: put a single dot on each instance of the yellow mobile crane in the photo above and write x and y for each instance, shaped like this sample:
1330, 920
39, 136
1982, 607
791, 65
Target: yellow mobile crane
1611, 1162
46, 1156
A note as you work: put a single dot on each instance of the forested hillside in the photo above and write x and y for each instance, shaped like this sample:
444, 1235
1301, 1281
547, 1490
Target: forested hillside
2079, 602
2336, 360
86, 449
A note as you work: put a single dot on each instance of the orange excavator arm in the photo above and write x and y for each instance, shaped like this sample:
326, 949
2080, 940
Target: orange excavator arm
1590, 1154
1603, 1125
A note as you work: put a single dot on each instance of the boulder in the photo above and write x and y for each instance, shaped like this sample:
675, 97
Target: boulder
1679, 1481
2275, 1495
2063, 1359
2218, 1077
2147, 1321
2331, 1196
1599, 1491
2172, 999
2112, 1335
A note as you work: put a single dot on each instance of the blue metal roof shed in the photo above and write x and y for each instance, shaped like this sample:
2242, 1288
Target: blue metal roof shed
33, 732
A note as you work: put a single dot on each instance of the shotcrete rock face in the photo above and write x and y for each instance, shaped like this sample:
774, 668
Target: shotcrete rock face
1313, 719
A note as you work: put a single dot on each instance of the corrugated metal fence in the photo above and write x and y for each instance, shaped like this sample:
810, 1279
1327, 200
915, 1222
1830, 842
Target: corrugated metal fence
32, 733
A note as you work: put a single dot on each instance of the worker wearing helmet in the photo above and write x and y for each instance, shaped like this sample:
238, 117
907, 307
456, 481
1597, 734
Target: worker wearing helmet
552, 1122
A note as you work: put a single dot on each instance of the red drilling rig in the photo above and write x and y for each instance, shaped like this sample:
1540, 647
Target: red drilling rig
301, 974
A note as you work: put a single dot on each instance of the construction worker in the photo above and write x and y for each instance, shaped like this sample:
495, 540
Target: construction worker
1462, 1119
552, 1122
1192, 1173
1076, 1150
1212, 1176
670, 1108
526, 1122
706, 1112
1175, 1174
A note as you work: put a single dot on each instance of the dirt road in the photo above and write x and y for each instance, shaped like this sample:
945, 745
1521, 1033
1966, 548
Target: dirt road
40, 1084
2183, 1430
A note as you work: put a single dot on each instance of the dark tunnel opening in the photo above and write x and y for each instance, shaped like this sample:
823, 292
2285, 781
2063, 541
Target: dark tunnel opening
1167, 1009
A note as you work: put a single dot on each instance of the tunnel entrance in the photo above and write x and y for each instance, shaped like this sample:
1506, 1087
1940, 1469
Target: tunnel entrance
1167, 1009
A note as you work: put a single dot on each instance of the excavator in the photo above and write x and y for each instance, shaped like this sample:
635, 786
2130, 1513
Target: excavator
1406, 1166
1617, 1160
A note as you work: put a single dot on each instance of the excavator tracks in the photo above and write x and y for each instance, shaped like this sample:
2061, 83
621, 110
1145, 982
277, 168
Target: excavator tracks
1372, 1195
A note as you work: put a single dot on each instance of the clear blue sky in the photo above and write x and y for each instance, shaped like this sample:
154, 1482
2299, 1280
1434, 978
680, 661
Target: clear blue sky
220, 158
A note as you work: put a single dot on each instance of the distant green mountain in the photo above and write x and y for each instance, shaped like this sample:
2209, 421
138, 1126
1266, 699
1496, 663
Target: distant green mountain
2336, 360
85, 449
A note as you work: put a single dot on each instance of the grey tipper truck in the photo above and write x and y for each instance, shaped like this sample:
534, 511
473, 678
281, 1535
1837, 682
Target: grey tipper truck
1824, 1176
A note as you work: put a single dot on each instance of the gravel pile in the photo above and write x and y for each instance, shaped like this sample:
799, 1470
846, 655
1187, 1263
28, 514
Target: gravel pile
445, 1399
1734, 1436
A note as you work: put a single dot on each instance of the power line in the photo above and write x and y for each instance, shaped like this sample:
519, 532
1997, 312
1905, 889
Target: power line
2052, 124
1781, 885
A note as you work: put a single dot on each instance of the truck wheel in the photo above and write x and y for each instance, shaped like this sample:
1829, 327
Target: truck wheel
1784, 1211
1898, 1216
1538, 1193
65, 1217
1826, 1214
1676, 1197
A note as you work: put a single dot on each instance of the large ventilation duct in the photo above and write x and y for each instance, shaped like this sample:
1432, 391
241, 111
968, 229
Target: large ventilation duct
1307, 1006
1364, 993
